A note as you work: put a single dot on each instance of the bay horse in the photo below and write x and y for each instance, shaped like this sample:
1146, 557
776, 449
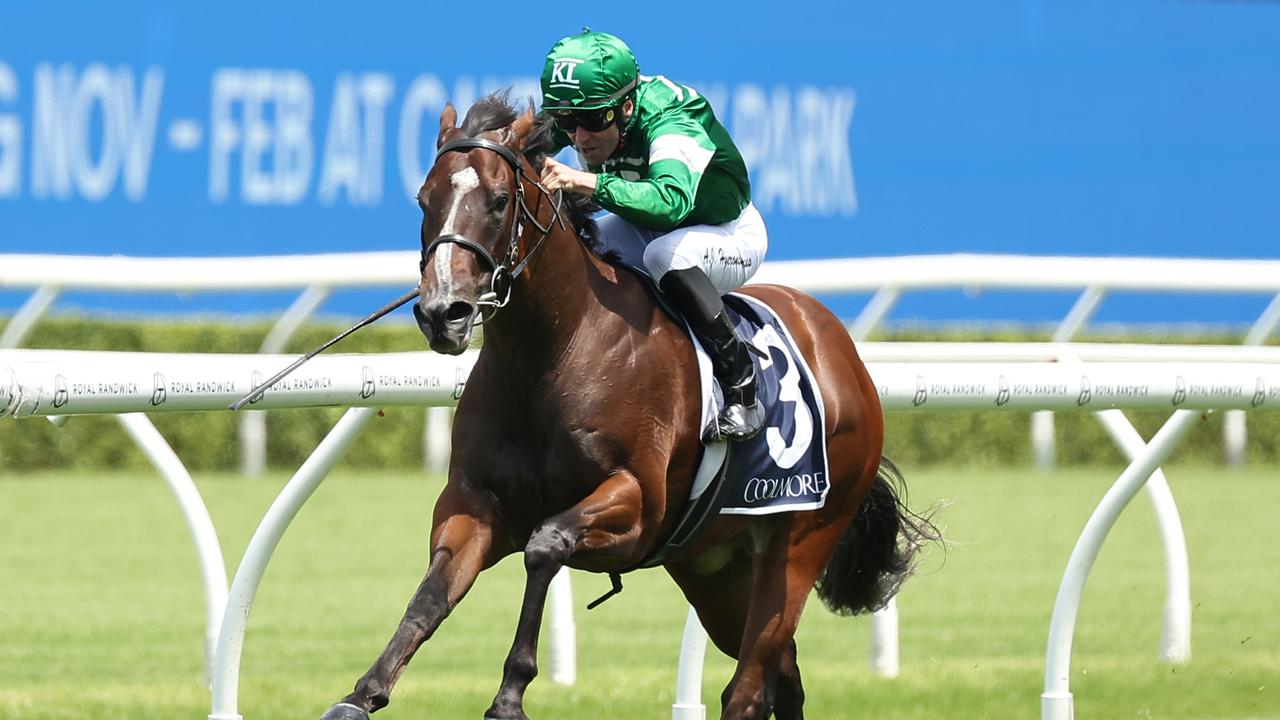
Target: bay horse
577, 436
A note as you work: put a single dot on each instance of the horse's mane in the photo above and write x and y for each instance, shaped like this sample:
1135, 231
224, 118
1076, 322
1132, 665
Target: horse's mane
497, 111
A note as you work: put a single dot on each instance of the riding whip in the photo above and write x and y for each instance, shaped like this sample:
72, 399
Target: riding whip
258, 391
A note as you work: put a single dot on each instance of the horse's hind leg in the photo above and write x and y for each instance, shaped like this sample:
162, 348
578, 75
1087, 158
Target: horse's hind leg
607, 519
789, 696
722, 597
783, 576
461, 545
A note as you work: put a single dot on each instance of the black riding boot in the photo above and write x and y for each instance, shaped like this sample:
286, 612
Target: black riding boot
696, 298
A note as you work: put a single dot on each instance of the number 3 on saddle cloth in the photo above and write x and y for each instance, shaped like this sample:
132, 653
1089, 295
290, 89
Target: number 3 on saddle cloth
784, 468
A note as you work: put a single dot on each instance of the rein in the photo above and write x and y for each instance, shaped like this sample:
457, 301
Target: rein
499, 293
503, 275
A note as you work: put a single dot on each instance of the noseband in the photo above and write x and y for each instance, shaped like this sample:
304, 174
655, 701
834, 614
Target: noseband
499, 293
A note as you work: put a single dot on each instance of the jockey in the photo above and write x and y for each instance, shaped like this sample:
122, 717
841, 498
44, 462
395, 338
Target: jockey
666, 170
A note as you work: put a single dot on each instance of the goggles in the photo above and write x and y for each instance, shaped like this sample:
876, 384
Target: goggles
569, 121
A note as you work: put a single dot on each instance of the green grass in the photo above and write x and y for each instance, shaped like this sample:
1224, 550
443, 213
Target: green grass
102, 613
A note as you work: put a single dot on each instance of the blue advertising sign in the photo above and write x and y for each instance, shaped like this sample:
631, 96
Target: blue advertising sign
1140, 128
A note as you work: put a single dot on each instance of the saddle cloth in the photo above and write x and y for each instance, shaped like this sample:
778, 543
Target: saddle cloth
784, 468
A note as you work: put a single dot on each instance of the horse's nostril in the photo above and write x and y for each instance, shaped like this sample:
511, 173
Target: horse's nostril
458, 311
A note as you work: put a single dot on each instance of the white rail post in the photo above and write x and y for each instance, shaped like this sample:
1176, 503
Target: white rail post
884, 640
564, 658
213, 571
1056, 702
1043, 437
436, 436
693, 653
19, 326
27, 316
884, 622
253, 423
226, 675
879, 306
252, 433
1175, 638
1235, 438
1044, 444
1235, 432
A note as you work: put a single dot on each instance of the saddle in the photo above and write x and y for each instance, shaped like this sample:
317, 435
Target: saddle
784, 468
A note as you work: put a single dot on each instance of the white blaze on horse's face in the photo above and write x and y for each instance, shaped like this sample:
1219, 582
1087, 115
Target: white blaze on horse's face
463, 181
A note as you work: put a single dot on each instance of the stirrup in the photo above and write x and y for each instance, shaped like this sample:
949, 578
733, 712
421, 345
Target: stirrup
737, 422
742, 416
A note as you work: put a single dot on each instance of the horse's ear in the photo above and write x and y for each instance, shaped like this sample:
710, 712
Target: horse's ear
448, 122
520, 130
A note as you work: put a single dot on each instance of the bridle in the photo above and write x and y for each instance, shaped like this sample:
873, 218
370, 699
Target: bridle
503, 274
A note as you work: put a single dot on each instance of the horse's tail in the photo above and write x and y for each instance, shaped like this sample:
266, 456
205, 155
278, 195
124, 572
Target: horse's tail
877, 553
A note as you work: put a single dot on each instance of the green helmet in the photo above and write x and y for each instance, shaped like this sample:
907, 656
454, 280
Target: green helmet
588, 71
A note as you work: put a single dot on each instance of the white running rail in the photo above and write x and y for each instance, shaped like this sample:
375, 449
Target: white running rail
315, 276
1189, 381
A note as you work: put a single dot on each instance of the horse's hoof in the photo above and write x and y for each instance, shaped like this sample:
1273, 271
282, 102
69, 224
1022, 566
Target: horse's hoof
345, 711
496, 714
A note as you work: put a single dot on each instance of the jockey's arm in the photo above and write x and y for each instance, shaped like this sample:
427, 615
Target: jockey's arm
660, 201
679, 153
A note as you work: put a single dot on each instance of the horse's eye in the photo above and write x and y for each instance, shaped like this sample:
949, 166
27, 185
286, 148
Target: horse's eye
500, 203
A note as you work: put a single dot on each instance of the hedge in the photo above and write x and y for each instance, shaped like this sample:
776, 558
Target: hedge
208, 441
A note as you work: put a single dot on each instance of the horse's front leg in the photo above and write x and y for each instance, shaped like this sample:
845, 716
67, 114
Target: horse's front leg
461, 546
608, 518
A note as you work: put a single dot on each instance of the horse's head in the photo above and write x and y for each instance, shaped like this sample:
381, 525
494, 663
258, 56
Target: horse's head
473, 211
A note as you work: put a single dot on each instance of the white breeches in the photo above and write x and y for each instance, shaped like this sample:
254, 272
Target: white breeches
729, 254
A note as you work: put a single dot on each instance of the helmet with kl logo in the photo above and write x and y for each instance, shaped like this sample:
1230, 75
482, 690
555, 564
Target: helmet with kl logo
588, 71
